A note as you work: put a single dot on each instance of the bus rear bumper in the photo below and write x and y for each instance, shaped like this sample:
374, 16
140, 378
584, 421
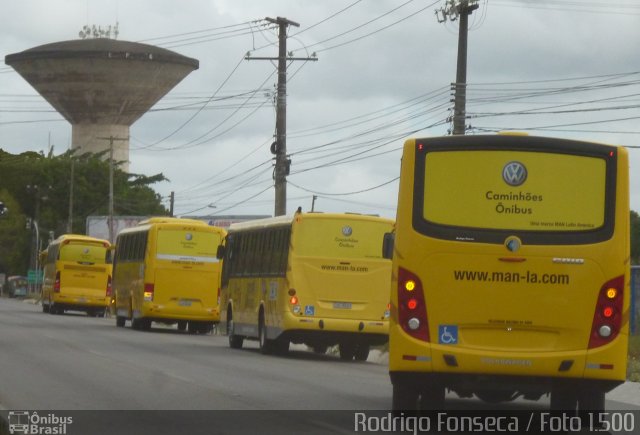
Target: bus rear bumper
531, 387
333, 331
80, 302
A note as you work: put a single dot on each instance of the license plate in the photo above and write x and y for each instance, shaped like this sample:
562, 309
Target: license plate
83, 300
342, 305
184, 303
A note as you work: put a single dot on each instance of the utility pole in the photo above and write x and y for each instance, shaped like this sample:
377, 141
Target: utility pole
111, 139
454, 9
279, 148
172, 199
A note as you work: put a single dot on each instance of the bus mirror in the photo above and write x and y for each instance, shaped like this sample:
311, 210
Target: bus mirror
220, 252
387, 245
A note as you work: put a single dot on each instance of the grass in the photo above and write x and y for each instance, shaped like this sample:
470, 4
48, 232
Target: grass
633, 364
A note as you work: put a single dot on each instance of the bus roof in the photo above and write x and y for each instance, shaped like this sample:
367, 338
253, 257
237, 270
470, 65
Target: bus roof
289, 220
146, 224
79, 238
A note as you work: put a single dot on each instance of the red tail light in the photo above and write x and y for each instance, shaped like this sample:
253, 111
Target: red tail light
412, 309
56, 284
109, 289
607, 318
148, 291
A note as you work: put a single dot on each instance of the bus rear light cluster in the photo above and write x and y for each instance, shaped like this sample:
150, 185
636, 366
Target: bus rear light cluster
148, 291
56, 283
607, 319
109, 289
412, 309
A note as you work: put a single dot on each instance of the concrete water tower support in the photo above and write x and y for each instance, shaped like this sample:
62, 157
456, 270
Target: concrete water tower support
101, 86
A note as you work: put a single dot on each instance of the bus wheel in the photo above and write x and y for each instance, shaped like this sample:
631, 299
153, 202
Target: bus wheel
432, 398
591, 401
362, 352
280, 346
182, 325
235, 341
120, 321
265, 344
405, 398
563, 399
140, 324
320, 349
347, 351
45, 308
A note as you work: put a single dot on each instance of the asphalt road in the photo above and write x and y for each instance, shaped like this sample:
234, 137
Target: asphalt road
155, 382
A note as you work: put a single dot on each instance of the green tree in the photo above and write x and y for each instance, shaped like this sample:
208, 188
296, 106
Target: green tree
36, 186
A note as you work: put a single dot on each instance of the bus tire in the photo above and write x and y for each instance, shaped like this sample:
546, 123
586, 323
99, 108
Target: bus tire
266, 346
45, 308
590, 400
280, 346
320, 349
431, 398
563, 399
182, 325
138, 324
362, 352
120, 321
235, 341
404, 398
347, 351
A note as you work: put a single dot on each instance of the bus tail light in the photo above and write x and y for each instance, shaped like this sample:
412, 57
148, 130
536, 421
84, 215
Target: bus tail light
607, 318
148, 291
109, 290
218, 295
412, 309
56, 283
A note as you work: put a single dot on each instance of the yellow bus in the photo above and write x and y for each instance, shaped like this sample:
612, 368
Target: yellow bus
314, 278
166, 270
510, 271
77, 275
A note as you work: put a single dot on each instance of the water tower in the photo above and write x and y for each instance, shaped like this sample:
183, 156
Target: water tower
101, 86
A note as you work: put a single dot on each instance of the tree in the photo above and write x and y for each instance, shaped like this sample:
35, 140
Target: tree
37, 186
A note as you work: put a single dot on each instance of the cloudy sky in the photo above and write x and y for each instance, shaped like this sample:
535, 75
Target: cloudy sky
562, 68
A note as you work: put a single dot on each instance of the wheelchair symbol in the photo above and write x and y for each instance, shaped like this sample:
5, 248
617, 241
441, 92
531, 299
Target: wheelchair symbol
447, 334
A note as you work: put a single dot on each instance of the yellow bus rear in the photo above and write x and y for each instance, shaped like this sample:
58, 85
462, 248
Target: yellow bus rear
510, 271
77, 275
316, 278
166, 270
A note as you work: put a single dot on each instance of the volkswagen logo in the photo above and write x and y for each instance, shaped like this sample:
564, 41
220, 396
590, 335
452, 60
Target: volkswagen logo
514, 173
85, 251
188, 236
347, 231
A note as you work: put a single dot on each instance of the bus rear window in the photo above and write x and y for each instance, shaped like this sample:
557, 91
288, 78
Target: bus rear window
83, 253
339, 238
514, 190
187, 245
